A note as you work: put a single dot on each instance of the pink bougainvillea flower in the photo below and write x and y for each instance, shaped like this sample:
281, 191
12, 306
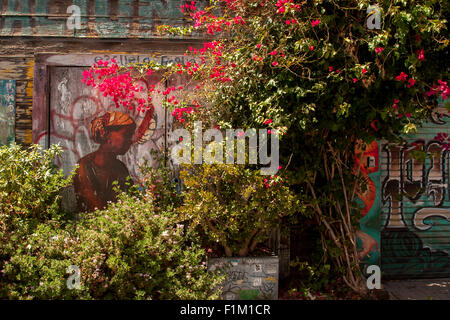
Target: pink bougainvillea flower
288, 22
274, 63
274, 52
315, 23
338, 71
269, 121
355, 80
379, 49
311, 48
420, 55
259, 45
444, 89
241, 134
269, 131
364, 71
395, 105
411, 82
330, 68
401, 77
408, 115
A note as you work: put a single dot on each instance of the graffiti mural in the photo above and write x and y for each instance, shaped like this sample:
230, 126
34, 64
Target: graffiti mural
368, 236
248, 278
7, 111
416, 204
107, 143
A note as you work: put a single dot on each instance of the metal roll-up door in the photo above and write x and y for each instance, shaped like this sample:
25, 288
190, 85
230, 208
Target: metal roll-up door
415, 211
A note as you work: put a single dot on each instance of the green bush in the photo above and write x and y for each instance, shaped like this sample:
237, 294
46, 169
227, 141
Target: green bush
135, 249
236, 207
30, 186
30, 182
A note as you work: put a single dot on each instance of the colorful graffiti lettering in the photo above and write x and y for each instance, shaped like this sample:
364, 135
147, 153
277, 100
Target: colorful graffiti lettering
416, 204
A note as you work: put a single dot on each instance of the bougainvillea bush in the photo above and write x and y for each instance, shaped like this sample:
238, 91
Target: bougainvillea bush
317, 73
320, 74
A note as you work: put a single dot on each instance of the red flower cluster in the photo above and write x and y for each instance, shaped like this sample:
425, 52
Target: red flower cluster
401, 77
441, 88
213, 23
315, 23
420, 55
178, 113
411, 82
119, 86
283, 4
444, 139
188, 7
273, 180
395, 105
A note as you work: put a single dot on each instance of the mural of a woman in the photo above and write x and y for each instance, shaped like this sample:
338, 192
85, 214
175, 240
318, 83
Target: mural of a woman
115, 132
98, 170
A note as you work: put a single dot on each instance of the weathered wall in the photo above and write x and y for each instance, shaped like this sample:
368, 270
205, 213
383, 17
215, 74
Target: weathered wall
124, 19
19, 56
32, 27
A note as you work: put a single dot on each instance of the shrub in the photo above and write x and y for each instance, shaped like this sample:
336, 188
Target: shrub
30, 186
235, 206
30, 182
134, 249
36, 267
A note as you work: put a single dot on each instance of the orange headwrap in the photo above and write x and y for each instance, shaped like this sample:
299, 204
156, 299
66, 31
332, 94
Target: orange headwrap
99, 126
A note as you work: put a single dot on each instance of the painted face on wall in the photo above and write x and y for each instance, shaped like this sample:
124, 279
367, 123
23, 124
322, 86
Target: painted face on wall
119, 141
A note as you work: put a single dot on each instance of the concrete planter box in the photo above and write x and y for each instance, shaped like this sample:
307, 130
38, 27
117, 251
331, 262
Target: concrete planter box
248, 278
